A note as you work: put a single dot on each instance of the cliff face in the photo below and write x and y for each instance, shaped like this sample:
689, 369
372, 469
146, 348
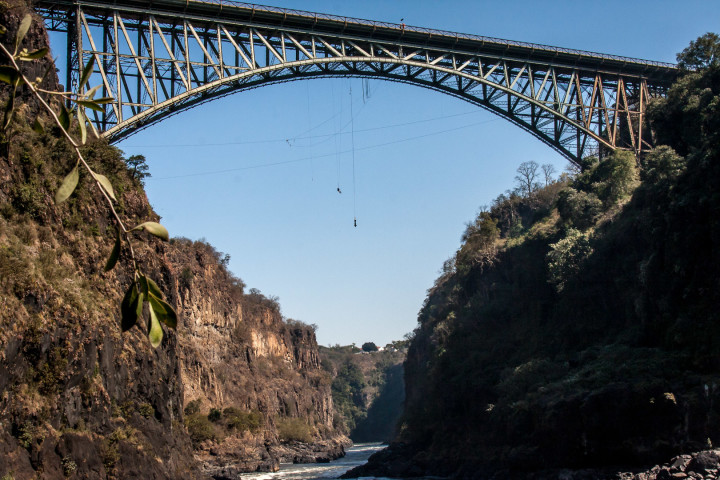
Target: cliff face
238, 353
80, 399
230, 336
587, 336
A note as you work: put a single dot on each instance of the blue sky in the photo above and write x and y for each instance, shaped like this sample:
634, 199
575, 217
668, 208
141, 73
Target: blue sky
256, 173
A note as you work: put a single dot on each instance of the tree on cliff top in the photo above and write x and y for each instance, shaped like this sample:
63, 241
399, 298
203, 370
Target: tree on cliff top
701, 53
527, 177
369, 347
688, 118
139, 168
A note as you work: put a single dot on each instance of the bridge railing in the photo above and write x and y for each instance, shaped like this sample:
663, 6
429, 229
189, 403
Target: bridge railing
436, 32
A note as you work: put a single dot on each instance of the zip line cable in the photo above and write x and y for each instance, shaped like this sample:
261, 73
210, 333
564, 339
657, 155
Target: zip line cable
284, 140
343, 131
299, 136
337, 138
296, 160
352, 146
312, 167
332, 117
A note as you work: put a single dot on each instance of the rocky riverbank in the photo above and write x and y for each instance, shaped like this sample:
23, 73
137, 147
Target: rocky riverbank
392, 462
318, 452
703, 465
230, 459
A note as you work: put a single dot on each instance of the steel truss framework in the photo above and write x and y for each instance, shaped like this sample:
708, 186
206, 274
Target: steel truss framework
163, 57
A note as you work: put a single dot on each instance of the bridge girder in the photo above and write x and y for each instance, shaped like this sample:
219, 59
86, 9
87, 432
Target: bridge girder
156, 62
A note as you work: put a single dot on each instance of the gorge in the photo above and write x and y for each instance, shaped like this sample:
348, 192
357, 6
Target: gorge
574, 334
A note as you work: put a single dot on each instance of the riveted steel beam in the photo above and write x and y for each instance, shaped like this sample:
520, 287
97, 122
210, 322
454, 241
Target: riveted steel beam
157, 59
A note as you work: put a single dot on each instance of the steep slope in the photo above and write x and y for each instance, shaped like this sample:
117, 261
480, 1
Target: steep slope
586, 336
367, 388
79, 398
259, 372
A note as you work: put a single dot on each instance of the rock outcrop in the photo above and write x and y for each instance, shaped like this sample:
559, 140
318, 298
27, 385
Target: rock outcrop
576, 331
238, 352
80, 399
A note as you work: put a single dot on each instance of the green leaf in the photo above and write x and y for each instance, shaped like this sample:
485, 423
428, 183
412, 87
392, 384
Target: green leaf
115, 254
128, 308
153, 288
155, 229
37, 126
9, 110
22, 30
147, 286
105, 183
164, 312
64, 117
155, 333
105, 100
83, 128
139, 305
91, 105
87, 71
67, 187
91, 93
34, 55
9, 75
143, 286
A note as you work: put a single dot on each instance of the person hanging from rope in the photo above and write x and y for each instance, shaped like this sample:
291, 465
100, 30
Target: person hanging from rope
338, 189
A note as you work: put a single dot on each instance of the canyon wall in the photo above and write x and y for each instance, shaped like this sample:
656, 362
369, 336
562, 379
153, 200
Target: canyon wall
237, 387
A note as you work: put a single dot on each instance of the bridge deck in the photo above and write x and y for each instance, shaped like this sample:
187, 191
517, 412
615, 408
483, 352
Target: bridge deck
658, 73
156, 58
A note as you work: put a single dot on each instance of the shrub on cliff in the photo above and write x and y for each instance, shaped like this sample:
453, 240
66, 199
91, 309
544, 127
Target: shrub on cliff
192, 407
241, 420
293, 430
214, 415
579, 209
566, 256
199, 428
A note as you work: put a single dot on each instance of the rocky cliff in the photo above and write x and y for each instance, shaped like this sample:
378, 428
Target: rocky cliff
240, 358
575, 334
236, 384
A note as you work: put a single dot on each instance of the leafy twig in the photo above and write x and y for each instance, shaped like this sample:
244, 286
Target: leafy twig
142, 289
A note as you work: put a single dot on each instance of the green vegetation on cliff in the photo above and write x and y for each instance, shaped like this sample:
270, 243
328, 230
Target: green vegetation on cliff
79, 397
577, 325
367, 389
143, 294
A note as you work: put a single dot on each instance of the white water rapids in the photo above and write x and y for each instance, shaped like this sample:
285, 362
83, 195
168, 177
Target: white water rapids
355, 456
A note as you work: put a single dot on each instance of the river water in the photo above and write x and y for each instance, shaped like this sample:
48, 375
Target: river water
354, 456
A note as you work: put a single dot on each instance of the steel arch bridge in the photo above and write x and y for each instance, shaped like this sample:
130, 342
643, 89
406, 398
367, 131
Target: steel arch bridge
160, 57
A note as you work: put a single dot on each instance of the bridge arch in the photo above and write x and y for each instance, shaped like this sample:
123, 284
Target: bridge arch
159, 60
285, 73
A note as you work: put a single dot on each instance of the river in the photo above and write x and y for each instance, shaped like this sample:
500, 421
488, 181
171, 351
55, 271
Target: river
355, 456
